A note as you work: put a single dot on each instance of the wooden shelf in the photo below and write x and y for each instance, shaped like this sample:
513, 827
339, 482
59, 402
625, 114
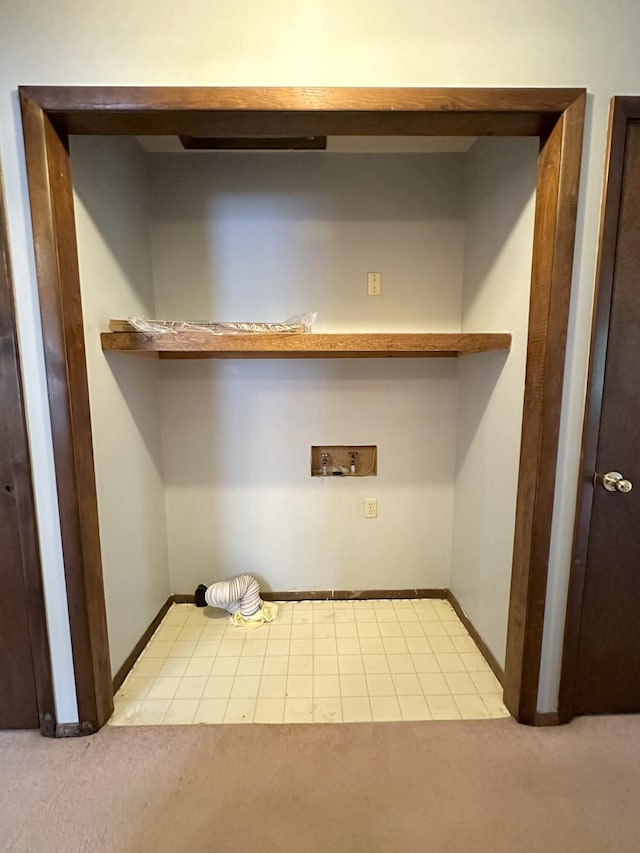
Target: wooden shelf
199, 344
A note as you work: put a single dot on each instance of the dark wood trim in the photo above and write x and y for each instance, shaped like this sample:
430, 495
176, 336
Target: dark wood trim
554, 235
51, 193
622, 111
216, 122
186, 598
336, 595
127, 666
487, 654
180, 598
546, 718
69, 730
351, 595
20, 489
78, 100
50, 113
310, 111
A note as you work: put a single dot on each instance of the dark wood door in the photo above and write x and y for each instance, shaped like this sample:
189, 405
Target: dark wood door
607, 675
18, 701
26, 694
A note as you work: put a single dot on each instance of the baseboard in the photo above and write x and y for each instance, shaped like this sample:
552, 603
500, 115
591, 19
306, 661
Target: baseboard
69, 730
48, 725
126, 667
546, 718
334, 595
477, 639
351, 595
178, 598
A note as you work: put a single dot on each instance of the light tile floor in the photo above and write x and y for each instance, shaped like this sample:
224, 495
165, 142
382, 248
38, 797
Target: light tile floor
323, 661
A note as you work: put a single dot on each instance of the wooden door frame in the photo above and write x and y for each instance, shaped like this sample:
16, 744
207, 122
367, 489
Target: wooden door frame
623, 110
18, 487
51, 114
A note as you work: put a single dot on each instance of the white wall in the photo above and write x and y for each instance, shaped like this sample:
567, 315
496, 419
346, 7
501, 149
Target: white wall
260, 237
500, 180
269, 235
324, 43
111, 201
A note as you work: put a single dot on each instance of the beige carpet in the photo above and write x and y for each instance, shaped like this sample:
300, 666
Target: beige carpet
436, 786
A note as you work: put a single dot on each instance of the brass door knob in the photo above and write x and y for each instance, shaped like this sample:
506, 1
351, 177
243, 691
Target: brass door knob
615, 482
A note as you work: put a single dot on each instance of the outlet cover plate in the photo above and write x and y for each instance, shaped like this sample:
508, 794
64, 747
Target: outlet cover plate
370, 507
374, 283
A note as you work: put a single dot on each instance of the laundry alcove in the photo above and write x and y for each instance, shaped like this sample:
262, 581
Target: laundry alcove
202, 463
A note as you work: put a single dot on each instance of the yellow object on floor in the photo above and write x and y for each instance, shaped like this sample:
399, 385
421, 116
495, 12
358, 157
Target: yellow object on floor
268, 612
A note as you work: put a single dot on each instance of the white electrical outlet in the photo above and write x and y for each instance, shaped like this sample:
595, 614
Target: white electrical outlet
371, 507
374, 283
